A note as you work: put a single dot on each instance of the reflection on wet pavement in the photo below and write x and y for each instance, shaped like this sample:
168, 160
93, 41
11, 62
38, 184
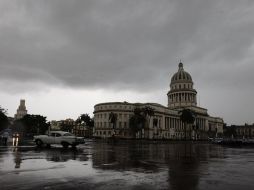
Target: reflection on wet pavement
128, 165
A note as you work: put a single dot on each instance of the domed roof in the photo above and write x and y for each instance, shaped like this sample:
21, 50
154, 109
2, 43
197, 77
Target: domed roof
181, 75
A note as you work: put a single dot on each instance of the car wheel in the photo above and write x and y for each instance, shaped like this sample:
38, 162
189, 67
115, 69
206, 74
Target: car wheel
65, 144
39, 143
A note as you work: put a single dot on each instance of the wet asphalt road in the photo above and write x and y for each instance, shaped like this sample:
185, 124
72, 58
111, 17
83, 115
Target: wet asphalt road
128, 165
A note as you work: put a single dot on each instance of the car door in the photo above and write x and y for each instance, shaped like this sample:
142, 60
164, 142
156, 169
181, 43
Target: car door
51, 138
58, 138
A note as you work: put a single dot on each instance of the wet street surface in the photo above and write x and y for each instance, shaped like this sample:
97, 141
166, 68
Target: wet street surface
128, 165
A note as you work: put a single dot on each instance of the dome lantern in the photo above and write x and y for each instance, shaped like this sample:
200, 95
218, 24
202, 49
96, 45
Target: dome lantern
180, 65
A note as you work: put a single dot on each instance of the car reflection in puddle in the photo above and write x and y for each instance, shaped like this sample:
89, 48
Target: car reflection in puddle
58, 154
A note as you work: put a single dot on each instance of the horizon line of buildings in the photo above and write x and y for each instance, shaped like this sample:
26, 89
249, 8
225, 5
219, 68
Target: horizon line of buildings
168, 124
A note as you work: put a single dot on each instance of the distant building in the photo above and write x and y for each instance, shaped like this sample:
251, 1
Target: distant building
68, 122
240, 131
82, 130
66, 125
55, 125
71, 126
166, 122
21, 111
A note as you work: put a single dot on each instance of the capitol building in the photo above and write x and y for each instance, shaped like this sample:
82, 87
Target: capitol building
165, 123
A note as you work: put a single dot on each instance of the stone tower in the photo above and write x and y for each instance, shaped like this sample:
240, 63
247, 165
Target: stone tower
21, 111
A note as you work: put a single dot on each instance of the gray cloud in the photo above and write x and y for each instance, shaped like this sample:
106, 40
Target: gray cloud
127, 44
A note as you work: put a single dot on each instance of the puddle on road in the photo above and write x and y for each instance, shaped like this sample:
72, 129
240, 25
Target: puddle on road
127, 165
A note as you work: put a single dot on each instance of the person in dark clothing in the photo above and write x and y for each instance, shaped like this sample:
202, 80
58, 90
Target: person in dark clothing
5, 137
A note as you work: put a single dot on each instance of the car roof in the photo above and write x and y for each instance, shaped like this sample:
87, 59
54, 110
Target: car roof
60, 132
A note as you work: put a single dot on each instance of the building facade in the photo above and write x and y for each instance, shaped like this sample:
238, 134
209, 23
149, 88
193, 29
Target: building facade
71, 126
165, 123
245, 131
21, 111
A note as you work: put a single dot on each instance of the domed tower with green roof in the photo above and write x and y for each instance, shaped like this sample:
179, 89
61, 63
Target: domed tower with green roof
182, 93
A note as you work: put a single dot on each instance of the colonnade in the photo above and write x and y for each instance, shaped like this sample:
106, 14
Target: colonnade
182, 97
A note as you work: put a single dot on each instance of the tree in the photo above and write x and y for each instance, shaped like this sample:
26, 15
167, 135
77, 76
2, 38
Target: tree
34, 124
86, 119
66, 126
86, 122
3, 119
148, 112
137, 121
187, 116
78, 121
141, 119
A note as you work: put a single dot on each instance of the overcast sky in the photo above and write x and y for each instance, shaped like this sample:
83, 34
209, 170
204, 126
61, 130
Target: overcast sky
65, 56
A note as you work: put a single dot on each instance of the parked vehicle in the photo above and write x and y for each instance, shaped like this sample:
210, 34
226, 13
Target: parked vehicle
216, 140
58, 137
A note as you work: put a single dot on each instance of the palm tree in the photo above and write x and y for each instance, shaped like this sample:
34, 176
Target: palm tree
141, 119
187, 117
148, 112
137, 121
77, 126
87, 122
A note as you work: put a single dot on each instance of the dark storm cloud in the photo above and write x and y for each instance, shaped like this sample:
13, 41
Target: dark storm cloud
126, 44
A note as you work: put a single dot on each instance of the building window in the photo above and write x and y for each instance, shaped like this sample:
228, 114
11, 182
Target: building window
120, 124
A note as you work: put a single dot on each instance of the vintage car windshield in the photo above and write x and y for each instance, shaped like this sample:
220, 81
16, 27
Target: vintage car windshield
68, 134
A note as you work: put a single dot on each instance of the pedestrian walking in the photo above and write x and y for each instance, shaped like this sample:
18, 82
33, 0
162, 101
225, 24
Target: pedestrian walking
15, 139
